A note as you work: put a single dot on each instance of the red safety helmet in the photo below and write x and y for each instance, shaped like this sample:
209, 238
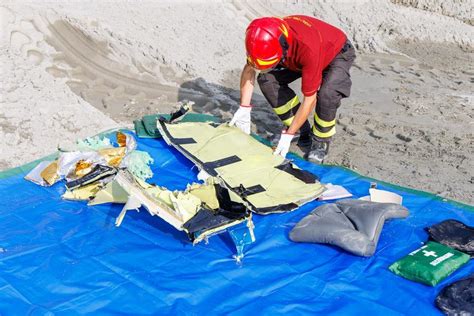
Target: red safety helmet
266, 41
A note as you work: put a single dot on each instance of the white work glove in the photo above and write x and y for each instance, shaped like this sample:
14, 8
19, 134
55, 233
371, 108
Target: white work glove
284, 144
241, 118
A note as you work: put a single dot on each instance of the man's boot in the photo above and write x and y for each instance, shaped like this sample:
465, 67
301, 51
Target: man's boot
304, 141
318, 152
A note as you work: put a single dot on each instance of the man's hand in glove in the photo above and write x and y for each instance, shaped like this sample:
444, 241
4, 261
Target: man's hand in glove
241, 118
284, 144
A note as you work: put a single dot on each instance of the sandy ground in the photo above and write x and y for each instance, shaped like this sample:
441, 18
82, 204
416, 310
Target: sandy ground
72, 69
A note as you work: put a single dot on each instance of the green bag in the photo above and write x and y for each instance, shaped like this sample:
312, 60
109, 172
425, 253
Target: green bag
146, 127
430, 264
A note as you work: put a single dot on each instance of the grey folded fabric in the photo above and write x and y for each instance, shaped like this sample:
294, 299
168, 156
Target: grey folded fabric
352, 225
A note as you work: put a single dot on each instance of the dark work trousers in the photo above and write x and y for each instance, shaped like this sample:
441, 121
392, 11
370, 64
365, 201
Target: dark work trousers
336, 84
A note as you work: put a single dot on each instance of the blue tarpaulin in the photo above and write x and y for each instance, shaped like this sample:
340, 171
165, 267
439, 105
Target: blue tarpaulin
64, 257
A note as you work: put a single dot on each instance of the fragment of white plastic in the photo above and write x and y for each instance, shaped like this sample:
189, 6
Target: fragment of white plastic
382, 196
334, 192
203, 175
152, 205
132, 204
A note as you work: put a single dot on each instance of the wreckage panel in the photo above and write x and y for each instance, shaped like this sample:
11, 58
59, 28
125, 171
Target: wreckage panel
243, 162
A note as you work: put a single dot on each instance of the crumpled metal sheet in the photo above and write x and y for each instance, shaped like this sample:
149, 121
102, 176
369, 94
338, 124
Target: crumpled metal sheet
113, 156
35, 174
50, 173
67, 162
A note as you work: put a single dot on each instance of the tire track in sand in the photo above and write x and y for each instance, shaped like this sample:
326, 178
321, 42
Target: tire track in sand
123, 91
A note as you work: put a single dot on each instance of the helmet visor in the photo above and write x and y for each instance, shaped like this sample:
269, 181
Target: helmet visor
262, 66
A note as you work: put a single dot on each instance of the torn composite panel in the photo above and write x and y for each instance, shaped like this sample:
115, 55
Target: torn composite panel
201, 211
266, 182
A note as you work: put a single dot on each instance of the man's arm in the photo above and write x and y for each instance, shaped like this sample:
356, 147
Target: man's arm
300, 117
302, 114
247, 82
241, 117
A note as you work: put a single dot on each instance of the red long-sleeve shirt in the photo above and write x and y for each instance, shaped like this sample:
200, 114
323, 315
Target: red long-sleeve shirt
315, 44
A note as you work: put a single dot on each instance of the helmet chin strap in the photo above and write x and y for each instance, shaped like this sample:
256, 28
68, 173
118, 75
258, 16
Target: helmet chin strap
284, 47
